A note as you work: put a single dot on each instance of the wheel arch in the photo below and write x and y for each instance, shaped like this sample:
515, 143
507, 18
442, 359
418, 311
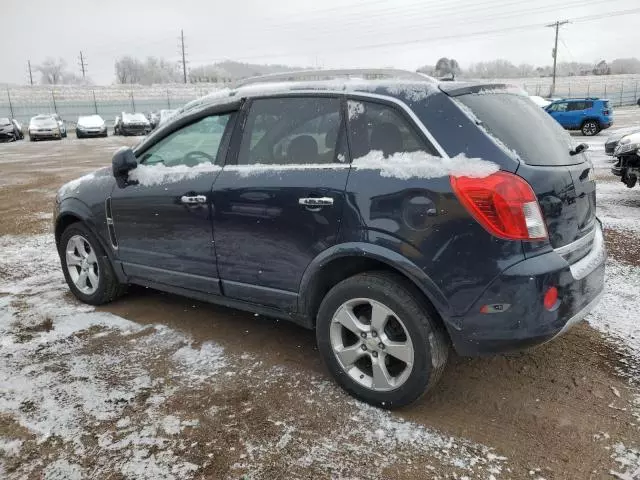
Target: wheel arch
346, 260
72, 210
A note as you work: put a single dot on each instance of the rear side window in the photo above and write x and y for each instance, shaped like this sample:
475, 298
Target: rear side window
523, 127
293, 131
373, 126
577, 106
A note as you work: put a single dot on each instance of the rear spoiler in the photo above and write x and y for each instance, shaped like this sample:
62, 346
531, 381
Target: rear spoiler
455, 89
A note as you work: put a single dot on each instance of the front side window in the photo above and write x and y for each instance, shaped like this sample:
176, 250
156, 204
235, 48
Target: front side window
377, 127
196, 143
293, 131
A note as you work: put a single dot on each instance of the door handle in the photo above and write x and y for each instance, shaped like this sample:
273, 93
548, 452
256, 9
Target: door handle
193, 200
316, 201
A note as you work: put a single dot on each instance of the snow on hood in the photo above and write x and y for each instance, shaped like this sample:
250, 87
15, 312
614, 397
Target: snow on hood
134, 117
91, 121
150, 175
73, 186
632, 138
405, 165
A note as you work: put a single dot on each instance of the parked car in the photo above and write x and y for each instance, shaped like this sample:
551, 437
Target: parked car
589, 115
91, 126
361, 210
154, 119
612, 142
42, 127
10, 130
61, 125
132, 124
165, 115
627, 153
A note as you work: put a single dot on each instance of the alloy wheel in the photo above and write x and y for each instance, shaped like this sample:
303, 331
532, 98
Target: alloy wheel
82, 264
372, 344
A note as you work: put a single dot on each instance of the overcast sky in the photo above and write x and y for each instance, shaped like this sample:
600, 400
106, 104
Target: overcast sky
327, 33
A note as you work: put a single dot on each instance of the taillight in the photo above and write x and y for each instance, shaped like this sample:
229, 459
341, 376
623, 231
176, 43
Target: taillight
504, 204
605, 112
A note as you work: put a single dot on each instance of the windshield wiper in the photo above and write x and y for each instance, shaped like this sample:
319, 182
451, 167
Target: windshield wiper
579, 149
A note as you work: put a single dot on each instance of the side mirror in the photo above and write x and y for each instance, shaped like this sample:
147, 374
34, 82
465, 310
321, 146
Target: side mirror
123, 161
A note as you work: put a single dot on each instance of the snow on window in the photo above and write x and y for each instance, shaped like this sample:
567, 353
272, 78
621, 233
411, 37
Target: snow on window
405, 165
355, 109
259, 168
150, 175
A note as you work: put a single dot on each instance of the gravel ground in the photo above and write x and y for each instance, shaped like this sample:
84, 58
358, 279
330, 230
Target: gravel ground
157, 386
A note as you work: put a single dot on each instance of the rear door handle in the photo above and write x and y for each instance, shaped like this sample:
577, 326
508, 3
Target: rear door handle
193, 200
316, 201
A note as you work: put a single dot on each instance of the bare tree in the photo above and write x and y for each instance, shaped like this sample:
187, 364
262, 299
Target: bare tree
52, 71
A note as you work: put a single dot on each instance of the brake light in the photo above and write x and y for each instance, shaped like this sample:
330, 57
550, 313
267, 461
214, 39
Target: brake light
605, 112
550, 298
504, 204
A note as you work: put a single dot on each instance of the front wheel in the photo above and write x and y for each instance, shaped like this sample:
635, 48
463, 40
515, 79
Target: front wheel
590, 128
86, 267
379, 340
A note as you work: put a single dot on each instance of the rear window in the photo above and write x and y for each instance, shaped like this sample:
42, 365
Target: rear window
522, 127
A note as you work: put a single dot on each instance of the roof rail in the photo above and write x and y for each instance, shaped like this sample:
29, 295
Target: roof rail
322, 75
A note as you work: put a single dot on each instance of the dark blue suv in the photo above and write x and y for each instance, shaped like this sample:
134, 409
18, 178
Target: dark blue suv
397, 218
589, 115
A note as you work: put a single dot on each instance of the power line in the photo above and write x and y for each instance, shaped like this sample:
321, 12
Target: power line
83, 66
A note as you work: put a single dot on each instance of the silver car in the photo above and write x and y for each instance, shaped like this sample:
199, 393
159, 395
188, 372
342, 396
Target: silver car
42, 127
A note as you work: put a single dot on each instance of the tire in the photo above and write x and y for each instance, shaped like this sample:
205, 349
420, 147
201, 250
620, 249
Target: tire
590, 128
107, 287
407, 323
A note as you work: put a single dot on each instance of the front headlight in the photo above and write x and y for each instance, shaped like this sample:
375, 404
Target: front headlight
626, 148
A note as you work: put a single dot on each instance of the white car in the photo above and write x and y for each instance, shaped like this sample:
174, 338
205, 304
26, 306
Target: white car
91, 126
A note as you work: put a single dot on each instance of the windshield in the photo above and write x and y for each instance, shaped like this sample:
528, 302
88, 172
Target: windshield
43, 121
523, 127
134, 117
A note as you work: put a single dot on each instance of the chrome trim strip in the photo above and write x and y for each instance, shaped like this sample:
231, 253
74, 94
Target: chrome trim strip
595, 257
581, 242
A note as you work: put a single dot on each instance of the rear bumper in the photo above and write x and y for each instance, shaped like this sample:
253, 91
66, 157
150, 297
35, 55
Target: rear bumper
525, 322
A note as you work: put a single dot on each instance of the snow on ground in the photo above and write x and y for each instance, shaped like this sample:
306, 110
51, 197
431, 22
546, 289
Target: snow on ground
77, 381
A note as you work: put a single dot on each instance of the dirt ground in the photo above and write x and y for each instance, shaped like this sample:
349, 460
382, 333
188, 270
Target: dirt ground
203, 391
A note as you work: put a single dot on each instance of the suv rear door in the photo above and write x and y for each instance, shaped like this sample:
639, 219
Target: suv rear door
578, 110
562, 182
279, 199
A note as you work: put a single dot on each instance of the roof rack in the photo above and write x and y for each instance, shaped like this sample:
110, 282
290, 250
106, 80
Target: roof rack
323, 75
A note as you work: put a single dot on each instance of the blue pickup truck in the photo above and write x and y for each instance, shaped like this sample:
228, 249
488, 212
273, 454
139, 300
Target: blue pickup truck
590, 115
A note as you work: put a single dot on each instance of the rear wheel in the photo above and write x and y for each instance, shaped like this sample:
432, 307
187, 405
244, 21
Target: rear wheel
379, 341
86, 267
590, 128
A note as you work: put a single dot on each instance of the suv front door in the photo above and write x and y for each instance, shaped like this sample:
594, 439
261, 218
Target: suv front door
558, 110
162, 214
279, 199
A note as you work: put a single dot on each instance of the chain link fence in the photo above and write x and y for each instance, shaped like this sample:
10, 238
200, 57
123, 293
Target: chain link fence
22, 103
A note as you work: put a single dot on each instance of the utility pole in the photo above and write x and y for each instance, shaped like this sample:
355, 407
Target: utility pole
557, 26
184, 61
82, 66
30, 74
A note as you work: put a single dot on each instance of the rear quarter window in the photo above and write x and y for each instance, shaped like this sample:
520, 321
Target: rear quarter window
523, 127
